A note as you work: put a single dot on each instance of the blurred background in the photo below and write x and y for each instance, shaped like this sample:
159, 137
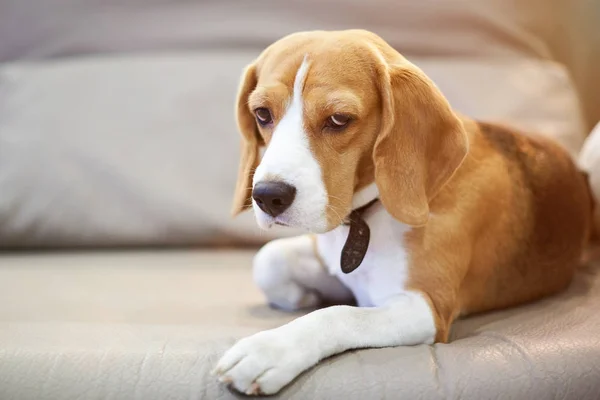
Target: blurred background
116, 116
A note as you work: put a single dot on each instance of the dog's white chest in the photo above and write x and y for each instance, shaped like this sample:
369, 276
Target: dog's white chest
383, 273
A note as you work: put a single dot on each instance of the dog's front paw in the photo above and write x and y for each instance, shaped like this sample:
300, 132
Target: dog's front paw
263, 363
273, 270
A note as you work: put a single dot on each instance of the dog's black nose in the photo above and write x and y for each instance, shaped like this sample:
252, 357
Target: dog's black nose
273, 197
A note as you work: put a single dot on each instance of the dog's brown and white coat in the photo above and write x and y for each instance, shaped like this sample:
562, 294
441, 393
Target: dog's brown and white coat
471, 217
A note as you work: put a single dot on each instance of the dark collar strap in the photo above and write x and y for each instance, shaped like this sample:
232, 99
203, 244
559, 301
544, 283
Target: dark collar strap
359, 211
357, 243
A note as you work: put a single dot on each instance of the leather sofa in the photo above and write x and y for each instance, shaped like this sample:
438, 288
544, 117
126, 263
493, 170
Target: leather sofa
122, 275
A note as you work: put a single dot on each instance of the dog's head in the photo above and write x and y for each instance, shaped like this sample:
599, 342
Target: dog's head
342, 118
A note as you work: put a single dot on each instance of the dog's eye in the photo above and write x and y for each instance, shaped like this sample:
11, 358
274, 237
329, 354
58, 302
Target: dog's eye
263, 116
337, 121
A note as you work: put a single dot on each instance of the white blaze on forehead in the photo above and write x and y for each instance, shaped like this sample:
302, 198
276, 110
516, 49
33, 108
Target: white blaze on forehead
299, 83
289, 158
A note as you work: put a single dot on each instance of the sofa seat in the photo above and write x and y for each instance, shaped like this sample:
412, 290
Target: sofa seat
151, 325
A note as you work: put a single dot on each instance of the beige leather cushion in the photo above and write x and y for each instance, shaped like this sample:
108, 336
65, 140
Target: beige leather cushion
151, 326
589, 161
143, 149
498, 28
116, 123
562, 30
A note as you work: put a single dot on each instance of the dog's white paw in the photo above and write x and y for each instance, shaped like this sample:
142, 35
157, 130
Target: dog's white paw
263, 363
273, 270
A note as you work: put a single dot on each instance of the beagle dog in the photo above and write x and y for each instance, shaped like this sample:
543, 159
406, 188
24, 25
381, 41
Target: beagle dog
417, 214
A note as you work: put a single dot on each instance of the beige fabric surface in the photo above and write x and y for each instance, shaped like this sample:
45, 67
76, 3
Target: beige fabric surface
151, 325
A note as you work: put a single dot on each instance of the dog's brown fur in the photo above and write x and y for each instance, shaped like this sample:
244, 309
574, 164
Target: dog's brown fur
508, 228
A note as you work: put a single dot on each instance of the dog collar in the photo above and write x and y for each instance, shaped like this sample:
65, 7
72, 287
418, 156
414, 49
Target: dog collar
357, 243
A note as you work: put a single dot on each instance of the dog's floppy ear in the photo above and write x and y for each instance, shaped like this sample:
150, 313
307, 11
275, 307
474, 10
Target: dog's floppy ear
421, 143
251, 141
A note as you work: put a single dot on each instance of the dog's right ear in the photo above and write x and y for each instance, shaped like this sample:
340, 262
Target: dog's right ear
251, 141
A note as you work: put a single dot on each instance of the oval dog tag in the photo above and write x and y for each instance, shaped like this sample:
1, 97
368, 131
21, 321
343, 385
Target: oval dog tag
356, 244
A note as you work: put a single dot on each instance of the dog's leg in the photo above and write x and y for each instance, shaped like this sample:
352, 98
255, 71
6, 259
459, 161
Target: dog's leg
292, 276
269, 360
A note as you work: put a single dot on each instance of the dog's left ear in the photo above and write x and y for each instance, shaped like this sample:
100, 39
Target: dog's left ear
420, 146
251, 140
